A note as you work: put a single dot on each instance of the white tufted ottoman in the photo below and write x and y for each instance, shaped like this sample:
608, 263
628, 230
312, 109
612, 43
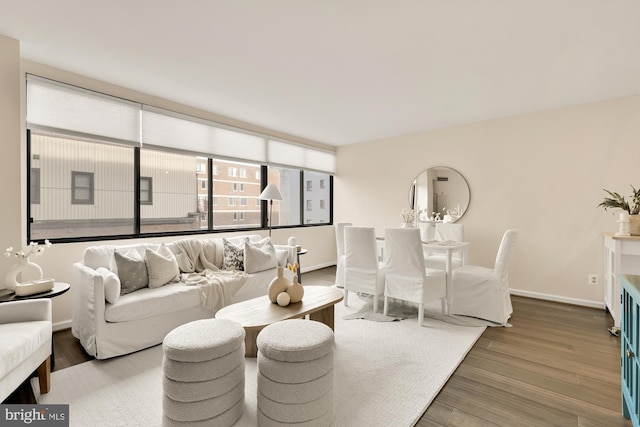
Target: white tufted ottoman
295, 374
203, 367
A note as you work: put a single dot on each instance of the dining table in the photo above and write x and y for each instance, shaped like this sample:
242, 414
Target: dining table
448, 248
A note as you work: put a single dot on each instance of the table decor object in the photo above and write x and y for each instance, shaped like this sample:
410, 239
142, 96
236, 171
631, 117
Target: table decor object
27, 270
278, 285
632, 207
408, 218
295, 289
34, 287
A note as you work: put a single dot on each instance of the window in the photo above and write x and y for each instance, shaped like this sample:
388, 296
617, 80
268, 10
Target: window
34, 186
146, 190
81, 188
82, 179
287, 210
318, 196
309, 205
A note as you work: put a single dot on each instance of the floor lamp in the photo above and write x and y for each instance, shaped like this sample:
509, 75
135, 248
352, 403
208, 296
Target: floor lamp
270, 193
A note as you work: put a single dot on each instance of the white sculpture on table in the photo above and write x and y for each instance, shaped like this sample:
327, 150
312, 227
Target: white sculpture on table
623, 229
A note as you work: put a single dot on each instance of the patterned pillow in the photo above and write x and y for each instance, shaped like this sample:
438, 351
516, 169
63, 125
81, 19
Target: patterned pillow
233, 255
132, 271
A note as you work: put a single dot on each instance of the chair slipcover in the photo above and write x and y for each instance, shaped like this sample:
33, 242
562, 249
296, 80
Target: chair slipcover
484, 292
445, 231
340, 253
406, 277
362, 270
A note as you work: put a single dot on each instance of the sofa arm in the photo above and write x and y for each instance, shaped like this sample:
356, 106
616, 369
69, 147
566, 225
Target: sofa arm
25, 311
292, 256
88, 306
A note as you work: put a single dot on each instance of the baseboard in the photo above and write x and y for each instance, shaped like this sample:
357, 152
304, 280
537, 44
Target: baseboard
306, 268
556, 298
59, 326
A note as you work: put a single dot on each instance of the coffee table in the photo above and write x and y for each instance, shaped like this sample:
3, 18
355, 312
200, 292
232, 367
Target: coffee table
257, 313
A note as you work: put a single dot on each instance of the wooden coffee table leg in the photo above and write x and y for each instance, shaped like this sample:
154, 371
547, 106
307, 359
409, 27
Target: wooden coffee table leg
250, 343
325, 316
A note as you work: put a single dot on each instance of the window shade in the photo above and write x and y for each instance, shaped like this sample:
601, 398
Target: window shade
52, 105
167, 129
299, 156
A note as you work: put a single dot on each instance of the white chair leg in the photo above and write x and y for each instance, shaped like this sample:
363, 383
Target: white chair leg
346, 298
386, 305
420, 313
375, 303
443, 305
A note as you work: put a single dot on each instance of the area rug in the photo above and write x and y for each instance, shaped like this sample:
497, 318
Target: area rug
386, 374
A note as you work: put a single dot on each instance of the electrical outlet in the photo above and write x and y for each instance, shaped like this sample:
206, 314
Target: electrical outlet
593, 279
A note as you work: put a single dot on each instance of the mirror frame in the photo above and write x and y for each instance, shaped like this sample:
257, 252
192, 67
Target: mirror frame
453, 217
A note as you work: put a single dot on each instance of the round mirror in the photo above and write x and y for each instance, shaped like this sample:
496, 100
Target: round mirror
439, 194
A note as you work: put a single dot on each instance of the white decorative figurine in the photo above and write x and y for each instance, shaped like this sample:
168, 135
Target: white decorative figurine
624, 225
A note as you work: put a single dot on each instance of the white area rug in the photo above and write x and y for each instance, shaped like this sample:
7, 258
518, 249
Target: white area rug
386, 374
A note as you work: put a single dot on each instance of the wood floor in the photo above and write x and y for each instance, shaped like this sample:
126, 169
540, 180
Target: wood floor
557, 366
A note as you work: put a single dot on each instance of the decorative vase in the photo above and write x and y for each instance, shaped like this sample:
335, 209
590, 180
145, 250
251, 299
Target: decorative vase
407, 225
28, 270
278, 285
634, 225
295, 290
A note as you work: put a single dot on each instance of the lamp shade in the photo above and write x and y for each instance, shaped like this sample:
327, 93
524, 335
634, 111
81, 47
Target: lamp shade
270, 192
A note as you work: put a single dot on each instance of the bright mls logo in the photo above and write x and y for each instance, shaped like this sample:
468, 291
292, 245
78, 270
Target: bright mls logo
35, 415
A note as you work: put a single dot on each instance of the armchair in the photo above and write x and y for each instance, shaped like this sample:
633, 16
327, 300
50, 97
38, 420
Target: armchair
25, 344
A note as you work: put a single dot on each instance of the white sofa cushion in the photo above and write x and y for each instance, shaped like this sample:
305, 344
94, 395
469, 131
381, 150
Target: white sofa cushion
132, 271
147, 302
259, 256
18, 341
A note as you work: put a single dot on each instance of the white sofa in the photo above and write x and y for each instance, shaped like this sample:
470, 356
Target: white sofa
25, 344
141, 319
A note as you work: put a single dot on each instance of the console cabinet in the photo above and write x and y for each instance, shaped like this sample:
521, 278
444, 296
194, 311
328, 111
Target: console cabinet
621, 256
630, 347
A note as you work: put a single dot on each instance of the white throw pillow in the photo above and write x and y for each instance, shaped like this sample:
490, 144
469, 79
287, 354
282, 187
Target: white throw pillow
111, 284
162, 267
259, 256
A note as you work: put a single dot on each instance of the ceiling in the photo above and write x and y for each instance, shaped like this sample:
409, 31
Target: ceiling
341, 72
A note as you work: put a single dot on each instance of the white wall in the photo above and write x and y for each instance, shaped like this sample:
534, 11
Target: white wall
540, 173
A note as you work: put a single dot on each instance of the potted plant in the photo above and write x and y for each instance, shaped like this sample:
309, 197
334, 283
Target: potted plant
632, 207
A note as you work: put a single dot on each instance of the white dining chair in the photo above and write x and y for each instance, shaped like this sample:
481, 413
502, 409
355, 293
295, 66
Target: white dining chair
363, 273
340, 252
483, 292
446, 232
406, 277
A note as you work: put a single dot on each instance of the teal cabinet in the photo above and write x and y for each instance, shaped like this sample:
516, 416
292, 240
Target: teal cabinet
629, 346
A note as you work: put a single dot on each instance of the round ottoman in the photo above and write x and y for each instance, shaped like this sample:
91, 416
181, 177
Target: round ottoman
295, 374
203, 367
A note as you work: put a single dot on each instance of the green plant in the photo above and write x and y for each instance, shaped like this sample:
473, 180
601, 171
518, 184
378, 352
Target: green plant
617, 201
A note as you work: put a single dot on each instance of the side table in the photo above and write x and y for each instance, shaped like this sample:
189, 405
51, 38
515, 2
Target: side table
300, 252
59, 288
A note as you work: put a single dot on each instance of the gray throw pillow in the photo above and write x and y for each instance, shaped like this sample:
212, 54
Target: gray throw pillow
132, 271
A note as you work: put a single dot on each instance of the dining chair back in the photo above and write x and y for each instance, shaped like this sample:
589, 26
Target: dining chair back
362, 270
483, 292
446, 231
340, 252
449, 231
406, 277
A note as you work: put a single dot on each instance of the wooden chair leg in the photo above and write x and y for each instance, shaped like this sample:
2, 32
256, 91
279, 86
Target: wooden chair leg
44, 376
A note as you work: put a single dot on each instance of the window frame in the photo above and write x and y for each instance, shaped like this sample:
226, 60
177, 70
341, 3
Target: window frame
149, 201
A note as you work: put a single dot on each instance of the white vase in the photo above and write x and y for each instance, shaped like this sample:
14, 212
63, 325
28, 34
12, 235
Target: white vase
27, 270
408, 225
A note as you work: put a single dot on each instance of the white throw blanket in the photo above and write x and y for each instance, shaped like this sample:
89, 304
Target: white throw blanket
216, 286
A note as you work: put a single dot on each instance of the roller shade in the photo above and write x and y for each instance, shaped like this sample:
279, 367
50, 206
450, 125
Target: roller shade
299, 156
57, 106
